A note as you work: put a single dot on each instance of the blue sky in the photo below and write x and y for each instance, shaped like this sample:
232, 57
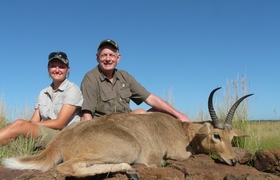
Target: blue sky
187, 47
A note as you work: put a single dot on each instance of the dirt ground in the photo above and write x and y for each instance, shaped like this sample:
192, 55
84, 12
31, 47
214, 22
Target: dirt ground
198, 167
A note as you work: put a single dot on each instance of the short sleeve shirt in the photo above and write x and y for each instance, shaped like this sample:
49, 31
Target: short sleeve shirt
49, 104
103, 97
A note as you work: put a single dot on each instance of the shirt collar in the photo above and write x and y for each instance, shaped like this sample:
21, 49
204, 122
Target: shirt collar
62, 86
102, 77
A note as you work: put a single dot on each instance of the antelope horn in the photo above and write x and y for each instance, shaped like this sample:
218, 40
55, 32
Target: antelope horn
215, 120
228, 121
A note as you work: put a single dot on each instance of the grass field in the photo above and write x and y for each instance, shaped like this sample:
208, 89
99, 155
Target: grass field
263, 135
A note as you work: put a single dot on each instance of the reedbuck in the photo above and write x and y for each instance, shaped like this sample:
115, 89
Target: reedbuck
113, 142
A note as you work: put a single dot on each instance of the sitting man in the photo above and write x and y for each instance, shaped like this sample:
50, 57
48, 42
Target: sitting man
107, 90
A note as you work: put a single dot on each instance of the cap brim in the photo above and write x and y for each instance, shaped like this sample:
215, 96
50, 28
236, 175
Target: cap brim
108, 44
65, 61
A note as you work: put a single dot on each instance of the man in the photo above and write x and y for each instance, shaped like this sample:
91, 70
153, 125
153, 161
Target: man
107, 90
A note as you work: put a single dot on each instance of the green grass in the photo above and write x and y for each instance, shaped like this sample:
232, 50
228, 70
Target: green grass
263, 135
20, 146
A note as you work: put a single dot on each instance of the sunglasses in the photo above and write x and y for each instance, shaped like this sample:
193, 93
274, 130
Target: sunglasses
58, 54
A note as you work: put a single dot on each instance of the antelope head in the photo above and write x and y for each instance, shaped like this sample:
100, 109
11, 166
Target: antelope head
216, 136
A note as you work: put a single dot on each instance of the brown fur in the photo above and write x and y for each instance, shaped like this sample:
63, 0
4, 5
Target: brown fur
113, 142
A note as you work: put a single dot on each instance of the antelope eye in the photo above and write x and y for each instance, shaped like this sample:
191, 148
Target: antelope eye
217, 136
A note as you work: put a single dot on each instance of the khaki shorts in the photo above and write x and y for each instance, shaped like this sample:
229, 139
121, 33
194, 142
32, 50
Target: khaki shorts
46, 135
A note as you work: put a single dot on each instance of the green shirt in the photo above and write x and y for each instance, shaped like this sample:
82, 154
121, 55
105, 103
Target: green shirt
103, 97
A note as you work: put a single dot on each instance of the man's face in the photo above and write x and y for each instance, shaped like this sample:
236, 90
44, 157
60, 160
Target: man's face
108, 58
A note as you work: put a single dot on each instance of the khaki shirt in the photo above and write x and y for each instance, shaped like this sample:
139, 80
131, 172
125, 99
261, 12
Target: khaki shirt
49, 104
103, 97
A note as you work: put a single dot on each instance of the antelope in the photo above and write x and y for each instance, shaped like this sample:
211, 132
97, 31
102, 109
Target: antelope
112, 143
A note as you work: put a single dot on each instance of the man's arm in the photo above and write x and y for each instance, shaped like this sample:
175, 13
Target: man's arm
163, 106
86, 115
88, 88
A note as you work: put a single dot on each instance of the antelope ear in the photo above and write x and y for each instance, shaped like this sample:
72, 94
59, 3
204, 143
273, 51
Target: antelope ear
238, 133
205, 129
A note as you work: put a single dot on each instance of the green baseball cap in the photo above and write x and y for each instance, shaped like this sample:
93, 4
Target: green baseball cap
59, 55
108, 42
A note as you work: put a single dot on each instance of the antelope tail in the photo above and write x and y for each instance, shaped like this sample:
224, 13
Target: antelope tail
42, 161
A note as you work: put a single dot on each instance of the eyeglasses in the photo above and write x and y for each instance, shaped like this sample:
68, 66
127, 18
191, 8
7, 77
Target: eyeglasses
58, 54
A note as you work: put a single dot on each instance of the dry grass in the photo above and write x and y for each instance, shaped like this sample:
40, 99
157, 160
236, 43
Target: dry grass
234, 90
2, 113
263, 134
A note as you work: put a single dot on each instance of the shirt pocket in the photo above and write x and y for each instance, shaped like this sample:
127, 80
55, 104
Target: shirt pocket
44, 110
107, 103
125, 95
